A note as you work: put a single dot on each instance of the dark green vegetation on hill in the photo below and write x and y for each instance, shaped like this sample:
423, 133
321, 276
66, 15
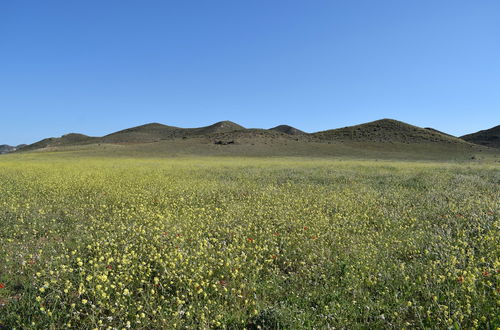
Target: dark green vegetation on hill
225, 242
489, 137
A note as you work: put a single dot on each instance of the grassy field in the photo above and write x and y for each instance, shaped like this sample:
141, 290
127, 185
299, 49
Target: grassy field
271, 148
204, 242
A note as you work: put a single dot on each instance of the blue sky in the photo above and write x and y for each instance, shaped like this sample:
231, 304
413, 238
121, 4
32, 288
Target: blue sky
95, 67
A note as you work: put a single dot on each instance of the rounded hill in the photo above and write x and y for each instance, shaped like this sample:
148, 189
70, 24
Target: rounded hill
287, 130
386, 130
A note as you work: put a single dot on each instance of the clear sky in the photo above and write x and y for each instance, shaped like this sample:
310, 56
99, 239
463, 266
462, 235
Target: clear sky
97, 66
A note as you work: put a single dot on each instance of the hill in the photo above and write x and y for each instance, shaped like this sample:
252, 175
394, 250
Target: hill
152, 132
155, 132
387, 131
384, 139
287, 130
488, 137
65, 140
4, 148
141, 134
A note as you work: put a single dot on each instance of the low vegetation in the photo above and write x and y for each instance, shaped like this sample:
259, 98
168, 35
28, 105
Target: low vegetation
197, 242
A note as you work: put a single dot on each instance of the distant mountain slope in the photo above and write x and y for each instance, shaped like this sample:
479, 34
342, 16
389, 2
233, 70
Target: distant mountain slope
287, 130
4, 148
488, 137
386, 130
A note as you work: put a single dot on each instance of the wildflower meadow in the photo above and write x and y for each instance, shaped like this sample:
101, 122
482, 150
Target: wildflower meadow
235, 243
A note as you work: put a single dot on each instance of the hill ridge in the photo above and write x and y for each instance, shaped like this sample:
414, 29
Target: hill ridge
488, 137
226, 132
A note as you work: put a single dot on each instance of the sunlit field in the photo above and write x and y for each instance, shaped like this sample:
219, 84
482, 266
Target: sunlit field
111, 243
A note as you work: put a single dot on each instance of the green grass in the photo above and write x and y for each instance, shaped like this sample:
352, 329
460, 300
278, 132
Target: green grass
241, 242
251, 143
